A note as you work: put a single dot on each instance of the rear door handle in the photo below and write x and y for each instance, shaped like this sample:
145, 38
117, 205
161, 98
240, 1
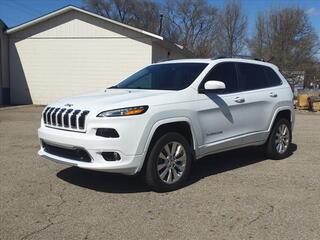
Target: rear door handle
272, 94
239, 100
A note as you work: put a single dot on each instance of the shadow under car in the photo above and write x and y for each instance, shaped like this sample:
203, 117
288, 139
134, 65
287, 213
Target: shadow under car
207, 166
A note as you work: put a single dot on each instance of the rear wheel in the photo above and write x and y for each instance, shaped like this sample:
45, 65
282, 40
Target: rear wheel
278, 145
169, 163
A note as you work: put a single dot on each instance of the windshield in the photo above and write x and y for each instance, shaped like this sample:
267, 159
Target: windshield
172, 76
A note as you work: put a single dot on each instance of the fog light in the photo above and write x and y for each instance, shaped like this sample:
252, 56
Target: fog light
111, 156
107, 133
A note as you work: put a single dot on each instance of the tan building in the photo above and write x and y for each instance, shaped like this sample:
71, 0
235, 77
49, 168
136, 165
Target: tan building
71, 51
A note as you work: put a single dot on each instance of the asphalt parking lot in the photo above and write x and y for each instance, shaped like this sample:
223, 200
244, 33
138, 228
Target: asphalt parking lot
235, 195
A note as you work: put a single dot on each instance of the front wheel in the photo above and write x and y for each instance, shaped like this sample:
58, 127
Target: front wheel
278, 145
169, 163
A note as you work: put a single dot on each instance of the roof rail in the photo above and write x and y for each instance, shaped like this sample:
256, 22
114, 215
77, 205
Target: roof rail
241, 56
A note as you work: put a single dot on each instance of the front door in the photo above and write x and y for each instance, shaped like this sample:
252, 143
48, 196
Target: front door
222, 115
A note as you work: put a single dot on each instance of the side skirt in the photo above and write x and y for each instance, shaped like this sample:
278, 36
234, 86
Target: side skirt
252, 139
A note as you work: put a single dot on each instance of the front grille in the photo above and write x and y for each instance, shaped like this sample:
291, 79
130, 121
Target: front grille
65, 118
76, 154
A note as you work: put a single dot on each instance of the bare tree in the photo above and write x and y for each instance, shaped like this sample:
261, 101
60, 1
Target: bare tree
286, 37
232, 29
194, 24
100, 7
191, 23
258, 44
138, 13
115, 9
147, 15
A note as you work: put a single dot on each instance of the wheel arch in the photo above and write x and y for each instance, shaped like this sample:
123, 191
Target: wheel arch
180, 125
283, 112
172, 125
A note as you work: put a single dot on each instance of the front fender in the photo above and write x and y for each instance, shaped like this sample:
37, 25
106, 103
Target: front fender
149, 132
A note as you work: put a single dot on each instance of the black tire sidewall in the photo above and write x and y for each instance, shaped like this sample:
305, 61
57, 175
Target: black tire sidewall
152, 177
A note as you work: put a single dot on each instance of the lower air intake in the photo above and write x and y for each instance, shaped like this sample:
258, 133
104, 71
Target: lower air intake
76, 154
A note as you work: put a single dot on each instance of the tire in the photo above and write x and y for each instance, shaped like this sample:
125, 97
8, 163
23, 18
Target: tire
161, 163
276, 137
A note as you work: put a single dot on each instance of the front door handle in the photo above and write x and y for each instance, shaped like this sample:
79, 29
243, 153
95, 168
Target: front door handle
272, 94
239, 100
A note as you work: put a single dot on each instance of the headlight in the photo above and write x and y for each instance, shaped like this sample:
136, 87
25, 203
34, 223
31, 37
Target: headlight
129, 111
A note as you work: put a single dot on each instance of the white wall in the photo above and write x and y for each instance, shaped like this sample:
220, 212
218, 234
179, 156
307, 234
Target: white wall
72, 54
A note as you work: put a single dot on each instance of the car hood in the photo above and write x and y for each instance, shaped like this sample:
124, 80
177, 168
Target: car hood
109, 99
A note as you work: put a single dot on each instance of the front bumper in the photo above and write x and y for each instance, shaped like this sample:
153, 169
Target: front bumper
94, 145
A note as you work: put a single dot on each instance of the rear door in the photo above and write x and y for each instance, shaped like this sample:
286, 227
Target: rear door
259, 94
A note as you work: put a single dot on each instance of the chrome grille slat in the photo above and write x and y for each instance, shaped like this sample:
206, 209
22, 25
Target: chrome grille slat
59, 117
73, 118
69, 118
54, 117
62, 117
77, 121
45, 114
51, 112
49, 115
65, 118
82, 118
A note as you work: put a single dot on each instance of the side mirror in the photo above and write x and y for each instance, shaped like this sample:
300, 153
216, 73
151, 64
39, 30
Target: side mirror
212, 85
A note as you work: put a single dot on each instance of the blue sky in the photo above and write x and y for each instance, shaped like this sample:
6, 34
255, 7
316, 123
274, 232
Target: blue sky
15, 12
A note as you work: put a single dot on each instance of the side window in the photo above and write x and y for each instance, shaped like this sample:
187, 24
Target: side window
272, 77
251, 76
224, 72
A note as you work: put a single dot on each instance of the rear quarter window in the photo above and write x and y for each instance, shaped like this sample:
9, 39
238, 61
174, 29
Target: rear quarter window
273, 78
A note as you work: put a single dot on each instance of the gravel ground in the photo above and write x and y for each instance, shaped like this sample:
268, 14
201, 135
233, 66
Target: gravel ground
235, 195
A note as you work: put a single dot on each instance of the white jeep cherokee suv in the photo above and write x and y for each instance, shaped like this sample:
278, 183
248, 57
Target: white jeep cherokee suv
162, 118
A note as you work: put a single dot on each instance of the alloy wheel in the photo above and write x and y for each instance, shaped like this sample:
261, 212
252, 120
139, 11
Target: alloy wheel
171, 162
282, 138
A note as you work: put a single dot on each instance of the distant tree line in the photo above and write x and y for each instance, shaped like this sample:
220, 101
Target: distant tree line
283, 36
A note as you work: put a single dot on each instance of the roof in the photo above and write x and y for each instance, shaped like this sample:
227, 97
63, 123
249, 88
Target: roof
70, 8
187, 60
210, 60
